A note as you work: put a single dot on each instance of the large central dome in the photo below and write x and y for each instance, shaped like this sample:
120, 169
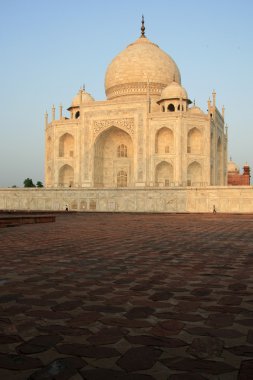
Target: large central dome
140, 68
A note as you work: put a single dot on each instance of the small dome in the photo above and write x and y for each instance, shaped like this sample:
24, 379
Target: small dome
141, 65
173, 91
232, 167
82, 95
195, 110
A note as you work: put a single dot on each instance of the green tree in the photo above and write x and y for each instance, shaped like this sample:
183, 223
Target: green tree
28, 182
39, 184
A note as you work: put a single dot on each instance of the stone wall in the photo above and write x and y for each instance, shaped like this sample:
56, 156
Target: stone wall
225, 199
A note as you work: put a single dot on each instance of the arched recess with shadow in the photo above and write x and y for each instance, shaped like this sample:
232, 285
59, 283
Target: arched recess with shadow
194, 174
66, 176
194, 141
164, 141
164, 174
66, 145
113, 152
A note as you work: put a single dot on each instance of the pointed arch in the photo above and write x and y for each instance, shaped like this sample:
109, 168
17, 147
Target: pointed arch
164, 173
66, 145
194, 174
194, 141
171, 107
164, 141
113, 152
66, 176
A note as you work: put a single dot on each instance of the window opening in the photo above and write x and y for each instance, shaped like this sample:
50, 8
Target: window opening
122, 151
171, 107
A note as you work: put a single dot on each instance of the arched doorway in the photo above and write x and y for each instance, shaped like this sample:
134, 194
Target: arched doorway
113, 152
66, 176
164, 174
194, 174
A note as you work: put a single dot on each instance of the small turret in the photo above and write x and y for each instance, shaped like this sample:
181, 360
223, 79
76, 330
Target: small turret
53, 113
223, 112
46, 119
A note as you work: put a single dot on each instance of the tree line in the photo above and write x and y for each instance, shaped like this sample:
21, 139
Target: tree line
28, 182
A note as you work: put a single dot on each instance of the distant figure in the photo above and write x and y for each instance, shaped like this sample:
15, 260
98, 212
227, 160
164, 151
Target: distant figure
214, 209
67, 209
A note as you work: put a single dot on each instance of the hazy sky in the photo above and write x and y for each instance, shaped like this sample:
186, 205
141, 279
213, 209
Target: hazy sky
49, 48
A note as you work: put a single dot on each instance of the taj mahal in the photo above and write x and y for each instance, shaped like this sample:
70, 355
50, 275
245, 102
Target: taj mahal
147, 133
145, 148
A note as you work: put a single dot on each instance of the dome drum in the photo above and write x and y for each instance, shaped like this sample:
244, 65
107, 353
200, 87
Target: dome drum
139, 88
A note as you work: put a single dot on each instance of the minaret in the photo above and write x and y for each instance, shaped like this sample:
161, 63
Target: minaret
60, 110
214, 99
209, 106
223, 112
46, 119
214, 104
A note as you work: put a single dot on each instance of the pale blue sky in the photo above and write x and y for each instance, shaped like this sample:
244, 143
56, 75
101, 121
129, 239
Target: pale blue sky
49, 48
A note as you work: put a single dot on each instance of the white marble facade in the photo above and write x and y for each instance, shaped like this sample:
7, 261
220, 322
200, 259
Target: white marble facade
146, 134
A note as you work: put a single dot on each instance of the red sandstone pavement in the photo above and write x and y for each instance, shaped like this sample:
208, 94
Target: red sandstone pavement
127, 296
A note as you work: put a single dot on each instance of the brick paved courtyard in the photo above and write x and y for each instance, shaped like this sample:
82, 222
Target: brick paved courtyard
127, 296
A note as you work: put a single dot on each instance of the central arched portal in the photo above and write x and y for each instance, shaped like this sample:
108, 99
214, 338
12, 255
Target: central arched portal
113, 154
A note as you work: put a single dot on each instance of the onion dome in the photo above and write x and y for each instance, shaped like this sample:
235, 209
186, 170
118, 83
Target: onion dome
142, 67
232, 167
195, 110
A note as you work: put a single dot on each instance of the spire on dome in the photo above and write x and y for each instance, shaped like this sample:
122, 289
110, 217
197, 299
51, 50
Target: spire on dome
142, 27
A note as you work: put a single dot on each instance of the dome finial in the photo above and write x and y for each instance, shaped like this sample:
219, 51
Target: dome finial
142, 27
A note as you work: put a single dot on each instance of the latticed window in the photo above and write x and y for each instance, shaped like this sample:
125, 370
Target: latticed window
122, 151
122, 179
